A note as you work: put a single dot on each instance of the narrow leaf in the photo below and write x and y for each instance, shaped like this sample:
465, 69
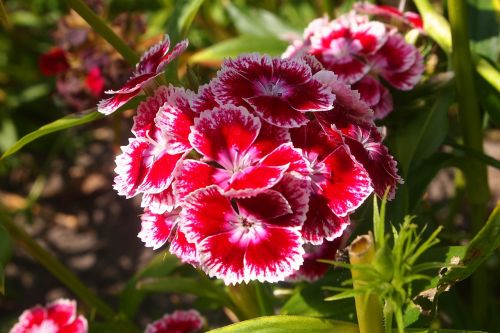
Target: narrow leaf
480, 248
235, 46
187, 16
62, 124
289, 324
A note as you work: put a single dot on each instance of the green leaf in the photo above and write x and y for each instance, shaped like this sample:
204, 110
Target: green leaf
425, 172
8, 134
486, 159
484, 23
62, 124
308, 299
235, 46
259, 22
480, 248
419, 135
299, 324
130, 297
182, 17
178, 284
289, 324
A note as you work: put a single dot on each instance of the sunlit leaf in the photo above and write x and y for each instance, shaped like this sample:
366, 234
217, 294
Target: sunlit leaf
62, 124
257, 21
480, 248
289, 324
235, 46
419, 135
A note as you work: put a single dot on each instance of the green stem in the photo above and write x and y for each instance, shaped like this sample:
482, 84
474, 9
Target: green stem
99, 26
57, 269
477, 189
244, 296
435, 24
264, 299
368, 306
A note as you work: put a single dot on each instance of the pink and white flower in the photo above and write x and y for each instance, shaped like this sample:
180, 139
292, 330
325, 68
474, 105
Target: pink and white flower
229, 137
365, 143
339, 184
280, 91
158, 229
394, 15
179, 321
254, 238
358, 50
57, 317
162, 126
398, 62
343, 46
151, 64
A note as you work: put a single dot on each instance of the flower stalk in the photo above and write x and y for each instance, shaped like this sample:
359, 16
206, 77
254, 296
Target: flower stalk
477, 189
368, 306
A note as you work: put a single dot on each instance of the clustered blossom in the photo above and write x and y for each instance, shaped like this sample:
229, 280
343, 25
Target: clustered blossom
362, 51
270, 156
85, 65
57, 317
179, 321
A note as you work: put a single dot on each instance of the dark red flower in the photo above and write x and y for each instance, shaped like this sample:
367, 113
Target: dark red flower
53, 62
177, 322
280, 91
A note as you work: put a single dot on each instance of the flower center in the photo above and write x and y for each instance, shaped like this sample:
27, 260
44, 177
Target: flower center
273, 87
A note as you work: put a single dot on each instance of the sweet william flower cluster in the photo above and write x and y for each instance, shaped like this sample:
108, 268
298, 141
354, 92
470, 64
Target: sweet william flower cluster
365, 52
271, 156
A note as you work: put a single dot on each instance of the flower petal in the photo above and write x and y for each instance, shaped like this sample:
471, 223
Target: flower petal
62, 311
156, 229
110, 105
254, 179
263, 206
348, 185
183, 249
277, 111
408, 79
296, 192
221, 258
175, 118
160, 202
129, 168
206, 212
190, 176
144, 124
287, 154
205, 99
321, 223
224, 133
178, 322
273, 257
160, 173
